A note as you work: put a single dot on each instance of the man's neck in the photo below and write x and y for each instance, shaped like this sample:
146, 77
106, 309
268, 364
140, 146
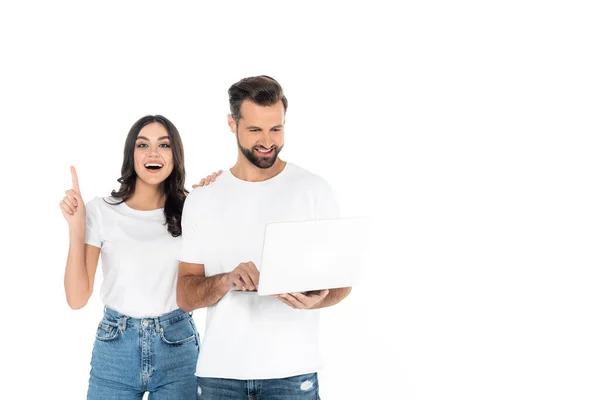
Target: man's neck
249, 172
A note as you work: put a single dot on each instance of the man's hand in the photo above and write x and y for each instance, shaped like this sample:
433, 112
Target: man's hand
303, 301
244, 277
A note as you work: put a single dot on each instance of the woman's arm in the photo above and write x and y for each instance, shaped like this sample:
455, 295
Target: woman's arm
82, 259
80, 271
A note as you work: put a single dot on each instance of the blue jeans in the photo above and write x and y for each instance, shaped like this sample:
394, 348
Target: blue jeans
132, 356
301, 387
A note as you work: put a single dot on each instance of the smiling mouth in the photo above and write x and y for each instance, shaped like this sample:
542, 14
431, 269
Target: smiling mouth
153, 166
264, 151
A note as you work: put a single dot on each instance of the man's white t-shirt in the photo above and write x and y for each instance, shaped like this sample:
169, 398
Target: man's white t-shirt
249, 336
140, 258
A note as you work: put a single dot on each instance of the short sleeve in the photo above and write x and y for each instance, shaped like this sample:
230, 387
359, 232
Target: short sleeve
327, 206
93, 234
192, 231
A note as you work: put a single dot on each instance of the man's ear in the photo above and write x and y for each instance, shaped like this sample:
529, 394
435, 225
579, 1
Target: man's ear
232, 124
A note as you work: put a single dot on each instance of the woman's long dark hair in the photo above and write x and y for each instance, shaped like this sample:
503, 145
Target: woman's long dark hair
172, 187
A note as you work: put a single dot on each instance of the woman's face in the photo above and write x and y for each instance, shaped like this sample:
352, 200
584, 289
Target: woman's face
153, 157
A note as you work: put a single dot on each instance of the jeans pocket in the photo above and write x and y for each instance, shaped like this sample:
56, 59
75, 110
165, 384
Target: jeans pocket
178, 333
107, 331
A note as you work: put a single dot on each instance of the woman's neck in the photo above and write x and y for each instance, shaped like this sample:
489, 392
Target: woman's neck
146, 197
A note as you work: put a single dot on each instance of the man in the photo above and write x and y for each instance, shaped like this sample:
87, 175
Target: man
255, 346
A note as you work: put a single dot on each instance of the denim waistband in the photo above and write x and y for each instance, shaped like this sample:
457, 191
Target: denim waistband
156, 322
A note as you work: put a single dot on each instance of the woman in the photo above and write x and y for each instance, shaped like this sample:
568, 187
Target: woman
144, 342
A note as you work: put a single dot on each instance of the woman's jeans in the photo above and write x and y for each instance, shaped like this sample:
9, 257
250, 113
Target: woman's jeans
156, 355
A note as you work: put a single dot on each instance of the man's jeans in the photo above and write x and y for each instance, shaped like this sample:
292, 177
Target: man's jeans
301, 387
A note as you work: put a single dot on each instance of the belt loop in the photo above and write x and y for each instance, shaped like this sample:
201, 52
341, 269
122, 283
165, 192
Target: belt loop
157, 327
122, 323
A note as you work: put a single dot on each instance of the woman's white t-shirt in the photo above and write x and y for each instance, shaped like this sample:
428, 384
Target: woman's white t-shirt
139, 257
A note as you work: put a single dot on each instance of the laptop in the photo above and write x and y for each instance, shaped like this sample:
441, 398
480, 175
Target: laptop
313, 255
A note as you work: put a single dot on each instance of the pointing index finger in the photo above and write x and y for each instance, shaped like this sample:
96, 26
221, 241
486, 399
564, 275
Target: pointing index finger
74, 180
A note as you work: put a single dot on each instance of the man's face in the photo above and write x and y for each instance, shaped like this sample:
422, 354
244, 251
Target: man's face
260, 132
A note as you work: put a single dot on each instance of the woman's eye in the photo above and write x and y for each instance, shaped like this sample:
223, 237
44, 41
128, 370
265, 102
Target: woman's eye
165, 145
142, 145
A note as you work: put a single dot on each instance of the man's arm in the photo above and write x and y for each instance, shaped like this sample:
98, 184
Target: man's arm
333, 297
315, 299
195, 290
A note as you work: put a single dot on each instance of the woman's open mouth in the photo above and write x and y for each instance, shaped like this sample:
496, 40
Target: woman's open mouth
153, 167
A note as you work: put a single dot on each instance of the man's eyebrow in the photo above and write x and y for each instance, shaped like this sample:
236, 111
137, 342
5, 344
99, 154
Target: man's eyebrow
259, 128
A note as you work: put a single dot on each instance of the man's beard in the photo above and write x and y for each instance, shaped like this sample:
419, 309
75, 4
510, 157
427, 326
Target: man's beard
256, 159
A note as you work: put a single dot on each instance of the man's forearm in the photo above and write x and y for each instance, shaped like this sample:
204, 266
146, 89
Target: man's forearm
333, 297
195, 291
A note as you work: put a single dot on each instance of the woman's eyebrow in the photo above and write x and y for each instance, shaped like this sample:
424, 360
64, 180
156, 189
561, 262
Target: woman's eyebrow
145, 138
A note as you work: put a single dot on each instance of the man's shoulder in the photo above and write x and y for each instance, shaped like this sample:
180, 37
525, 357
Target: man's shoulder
204, 194
299, 175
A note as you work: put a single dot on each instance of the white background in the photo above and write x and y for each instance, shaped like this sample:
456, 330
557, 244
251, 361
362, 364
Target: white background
468, 130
